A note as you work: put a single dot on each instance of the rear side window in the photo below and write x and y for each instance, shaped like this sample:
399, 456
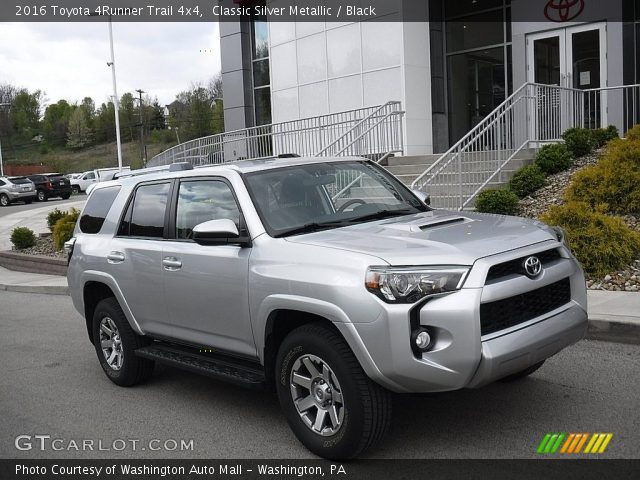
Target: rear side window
145, 215
97, 208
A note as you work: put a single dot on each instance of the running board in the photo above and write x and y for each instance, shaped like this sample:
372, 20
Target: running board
240, 372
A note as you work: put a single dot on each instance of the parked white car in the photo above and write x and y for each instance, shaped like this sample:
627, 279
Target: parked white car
82, 183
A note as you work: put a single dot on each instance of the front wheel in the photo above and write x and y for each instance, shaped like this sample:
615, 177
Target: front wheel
331, 405
66, 196
75, 190
116, 342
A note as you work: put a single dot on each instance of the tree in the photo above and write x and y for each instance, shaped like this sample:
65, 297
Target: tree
79, 135
127, 117
156, 116
105, 123
56, 122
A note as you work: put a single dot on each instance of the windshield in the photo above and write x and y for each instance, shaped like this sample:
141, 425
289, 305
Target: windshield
317, 196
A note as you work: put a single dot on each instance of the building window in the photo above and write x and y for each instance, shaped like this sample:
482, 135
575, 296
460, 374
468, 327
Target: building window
260, 70
478, 61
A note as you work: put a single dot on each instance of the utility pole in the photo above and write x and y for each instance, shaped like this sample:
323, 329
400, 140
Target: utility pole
142, 148
1, 164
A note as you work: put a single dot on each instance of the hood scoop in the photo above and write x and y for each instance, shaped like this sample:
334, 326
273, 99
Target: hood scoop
422, 223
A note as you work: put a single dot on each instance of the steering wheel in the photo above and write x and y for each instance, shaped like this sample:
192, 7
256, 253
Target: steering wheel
348, 203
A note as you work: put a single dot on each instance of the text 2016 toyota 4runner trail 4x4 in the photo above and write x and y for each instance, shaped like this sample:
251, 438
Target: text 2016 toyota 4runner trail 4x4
327, 278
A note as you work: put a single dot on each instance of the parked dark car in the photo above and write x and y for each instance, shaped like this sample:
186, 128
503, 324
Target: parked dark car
50, 185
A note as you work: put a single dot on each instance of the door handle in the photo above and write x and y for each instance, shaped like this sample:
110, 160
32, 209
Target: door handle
115, 257
171, 264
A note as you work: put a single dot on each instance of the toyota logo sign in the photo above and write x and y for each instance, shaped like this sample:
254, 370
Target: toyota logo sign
563, 10
532, 267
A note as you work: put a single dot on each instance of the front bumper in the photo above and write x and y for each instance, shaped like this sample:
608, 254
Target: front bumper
460, 357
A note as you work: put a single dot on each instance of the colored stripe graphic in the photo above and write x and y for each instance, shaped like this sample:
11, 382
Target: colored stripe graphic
572, 443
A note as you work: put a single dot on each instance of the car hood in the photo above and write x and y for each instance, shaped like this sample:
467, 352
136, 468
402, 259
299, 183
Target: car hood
436, 237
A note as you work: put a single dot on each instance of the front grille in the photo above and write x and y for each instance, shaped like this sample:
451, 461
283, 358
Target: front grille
501, 314
515, 266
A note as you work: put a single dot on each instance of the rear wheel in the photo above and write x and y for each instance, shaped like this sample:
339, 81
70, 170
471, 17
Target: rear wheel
524, 373
333, 408
28, 202
4, 200
42, 197
116, 342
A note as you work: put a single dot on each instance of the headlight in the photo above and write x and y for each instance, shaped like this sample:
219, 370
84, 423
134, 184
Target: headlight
410, 284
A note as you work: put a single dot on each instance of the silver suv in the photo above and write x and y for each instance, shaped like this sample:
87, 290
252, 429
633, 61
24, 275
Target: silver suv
16, 189
326, 278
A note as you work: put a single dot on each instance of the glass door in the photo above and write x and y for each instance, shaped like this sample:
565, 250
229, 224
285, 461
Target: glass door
574, 59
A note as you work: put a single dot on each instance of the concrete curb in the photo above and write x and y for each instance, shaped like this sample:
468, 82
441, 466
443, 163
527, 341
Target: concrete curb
41, 289
613, 331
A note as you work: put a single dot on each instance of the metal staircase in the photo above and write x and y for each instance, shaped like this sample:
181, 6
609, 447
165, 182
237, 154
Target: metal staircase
373, 132
533, 115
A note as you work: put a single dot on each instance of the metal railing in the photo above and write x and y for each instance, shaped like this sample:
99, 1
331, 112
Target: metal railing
533, 115
371, 132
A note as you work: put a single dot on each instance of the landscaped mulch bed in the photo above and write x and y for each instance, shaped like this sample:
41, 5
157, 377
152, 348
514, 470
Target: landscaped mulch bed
44, 246
627, 279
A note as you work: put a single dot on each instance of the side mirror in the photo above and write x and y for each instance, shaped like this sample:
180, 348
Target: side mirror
216, 232
423, 197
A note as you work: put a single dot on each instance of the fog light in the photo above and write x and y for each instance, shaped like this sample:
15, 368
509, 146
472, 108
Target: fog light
421, 339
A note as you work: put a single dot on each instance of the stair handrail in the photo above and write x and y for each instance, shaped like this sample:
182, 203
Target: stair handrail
469, 134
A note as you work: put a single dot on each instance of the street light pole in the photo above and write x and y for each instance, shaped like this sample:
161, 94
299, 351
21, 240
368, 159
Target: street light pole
116, 101
1, 164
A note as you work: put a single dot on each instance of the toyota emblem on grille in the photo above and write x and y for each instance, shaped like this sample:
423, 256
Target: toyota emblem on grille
532, 267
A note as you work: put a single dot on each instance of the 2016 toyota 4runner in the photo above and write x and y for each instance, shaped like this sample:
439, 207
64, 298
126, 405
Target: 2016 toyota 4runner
326, 278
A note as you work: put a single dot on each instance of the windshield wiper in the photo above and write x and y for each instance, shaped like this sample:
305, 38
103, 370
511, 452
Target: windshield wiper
379, 215
311, 227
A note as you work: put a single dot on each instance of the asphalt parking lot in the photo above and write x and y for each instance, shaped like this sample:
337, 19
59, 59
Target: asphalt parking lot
53, 202
52, 384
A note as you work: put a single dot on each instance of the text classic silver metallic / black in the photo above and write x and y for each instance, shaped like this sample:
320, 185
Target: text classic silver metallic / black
324, 277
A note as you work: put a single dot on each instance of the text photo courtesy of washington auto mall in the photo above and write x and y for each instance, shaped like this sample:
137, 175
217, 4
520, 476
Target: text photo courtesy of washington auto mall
352, 239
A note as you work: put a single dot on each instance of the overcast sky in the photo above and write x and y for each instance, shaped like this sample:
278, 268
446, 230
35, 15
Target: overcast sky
69, 60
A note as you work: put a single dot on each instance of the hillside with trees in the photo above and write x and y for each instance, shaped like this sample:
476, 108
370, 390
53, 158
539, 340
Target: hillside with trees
70, 137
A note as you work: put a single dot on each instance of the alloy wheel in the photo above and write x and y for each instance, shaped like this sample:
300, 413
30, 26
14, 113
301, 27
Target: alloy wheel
111, 343
317, 395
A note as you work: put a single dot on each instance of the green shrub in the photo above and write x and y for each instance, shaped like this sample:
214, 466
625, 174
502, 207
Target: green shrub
23, 237
601, 242
613, 182
497, 200
602, 136
63, 229
53, 216
554, 158
579, 141
633, 133
527, 180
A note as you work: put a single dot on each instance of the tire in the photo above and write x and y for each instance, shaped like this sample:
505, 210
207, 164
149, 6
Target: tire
28, 202
75, 190
524, 373
132, 369
66, 196
41, 196
4, 200
366, 409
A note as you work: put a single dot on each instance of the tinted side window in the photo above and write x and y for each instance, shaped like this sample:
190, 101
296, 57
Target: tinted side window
97, 208
203, 200
149, 205
2, 183
90, 176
